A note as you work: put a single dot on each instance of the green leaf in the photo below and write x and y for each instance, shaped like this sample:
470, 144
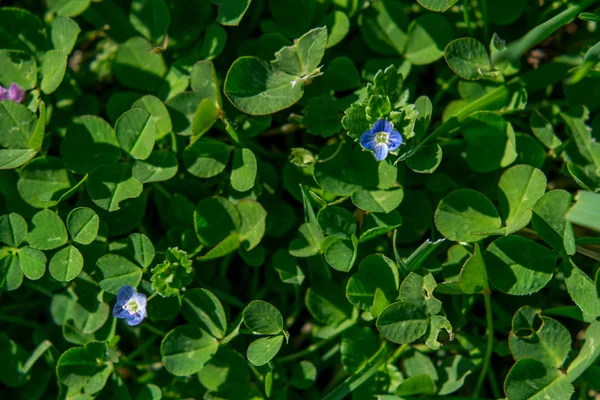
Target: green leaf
258, 88
287, 267
549, 221
243, 170
417, 384
206, 158
358, 344
253, 225
473, 276
21, 30
530, 379
11, 275
426, 160
585, 210
341, 254
18, 67
383, 27
116, 271
468, 58
186, 349
322, 116
338, 26
336, 221
587, 147
172, 275
68, 8
436, 324
43, 181
589, 353
417, 288
17, 125
63, 33
141, 248
159, 113
47, 231
109, 185
160, 166
135, 132
151, 18
304, 375
543, 130
519, 189
402, 322
83, 224
13, 229
11, 370
54, 66
66, 264
203, 80
182, 108
582, 288
205, 116
137, 68
519, 266
326, 303
89, 142
33, 262
262, 350
78, 365
437, 5
541, 338
215, 39
231, 12
466, 216
263, 318
378, 201
492, 142
428, 35
214, 219
375, 271
202, 308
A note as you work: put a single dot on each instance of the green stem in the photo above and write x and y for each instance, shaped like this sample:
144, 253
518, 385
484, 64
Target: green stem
467, 16
494, 384
490, 342
37, 353
162, 189
139, 350
486, 22
152, 296
309, 350
370, 368
515, 50
154, 330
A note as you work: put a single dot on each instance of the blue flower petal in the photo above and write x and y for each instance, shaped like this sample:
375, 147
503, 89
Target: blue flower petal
368, 140
141, 300
135, 318
125, 293
381, 151
395, 140
382, 126
119, 311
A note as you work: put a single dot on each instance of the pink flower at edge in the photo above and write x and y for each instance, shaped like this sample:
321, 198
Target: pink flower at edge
14, 93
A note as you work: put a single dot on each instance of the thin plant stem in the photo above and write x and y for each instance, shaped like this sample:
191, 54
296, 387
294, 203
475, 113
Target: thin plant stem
309, 350
467, 17
515, 50
153, 329
486, 21
490, 342
152, 296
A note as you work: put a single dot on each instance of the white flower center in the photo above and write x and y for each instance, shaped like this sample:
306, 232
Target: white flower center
131, 306
382, 137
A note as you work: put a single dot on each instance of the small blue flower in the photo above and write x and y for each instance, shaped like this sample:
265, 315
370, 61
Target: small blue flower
130, 305
381, 139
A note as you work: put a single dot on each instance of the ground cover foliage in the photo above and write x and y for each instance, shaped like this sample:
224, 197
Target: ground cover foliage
299, 199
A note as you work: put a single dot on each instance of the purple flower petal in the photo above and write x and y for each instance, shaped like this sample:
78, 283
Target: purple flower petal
367, 140
395, 140
15, 93
141, 300
381, 151
3, 93
125, 293
382, 126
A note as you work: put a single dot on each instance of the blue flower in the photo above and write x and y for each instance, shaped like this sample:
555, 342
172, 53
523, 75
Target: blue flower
130, 305
381, 139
